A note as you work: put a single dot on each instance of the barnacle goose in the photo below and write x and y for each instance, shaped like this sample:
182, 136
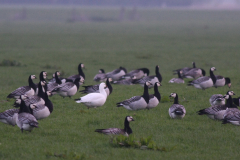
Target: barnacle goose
93, 100
218, 99
204, 82
42, 77
222, 81
80, 73
100, 76
217, 111
155, 98
116, 131
185, 69
25, 120
68, 89
152, 79
128, 81
194, 73
116, 74
138, 73
176, 110
137, 102
177, 80
95, 88
27, 90
42, 111
9, 116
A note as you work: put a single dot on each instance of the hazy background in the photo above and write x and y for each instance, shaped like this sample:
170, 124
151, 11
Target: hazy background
212, 4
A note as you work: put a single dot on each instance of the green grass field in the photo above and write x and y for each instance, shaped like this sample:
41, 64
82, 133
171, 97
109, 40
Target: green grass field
172, 39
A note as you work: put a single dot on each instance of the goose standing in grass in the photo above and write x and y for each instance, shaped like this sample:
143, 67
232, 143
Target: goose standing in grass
128, 81
27, 90
138, 73
116, 131
177, 80
217, 111
95, 88
221, 81
101, 76
42, 111
204, 82
185, 69
176, 110
194, 73
152, 79
68, 89
116, 74
25, 120
155, 98
94, 100
80, 74
137, 102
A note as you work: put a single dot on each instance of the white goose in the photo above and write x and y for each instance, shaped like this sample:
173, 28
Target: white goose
176, 110
25, 90
137, 102
94, 100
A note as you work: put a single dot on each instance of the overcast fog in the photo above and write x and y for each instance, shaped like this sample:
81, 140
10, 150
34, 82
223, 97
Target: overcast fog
204, 4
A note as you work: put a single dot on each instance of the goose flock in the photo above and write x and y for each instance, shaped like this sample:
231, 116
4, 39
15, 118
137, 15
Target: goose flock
32, 102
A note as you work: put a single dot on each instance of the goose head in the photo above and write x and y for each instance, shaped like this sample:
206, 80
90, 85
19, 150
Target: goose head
145, 71
33, 77
148, 83
134, 77
231, 93
110, 79
124, 69
213, 69
58, 73
129, 118
101, 71
173, 95
158, 84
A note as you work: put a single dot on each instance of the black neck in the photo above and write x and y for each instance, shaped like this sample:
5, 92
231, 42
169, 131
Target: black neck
156, 92
80, 72
127, 127
158, 75
40, 90
179, 75
76, 82
58, 81
212, 76
194, 66
176, 99
31, 84
24, 108
48, 103
109, 86
41, 76
230, 102
145, 93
